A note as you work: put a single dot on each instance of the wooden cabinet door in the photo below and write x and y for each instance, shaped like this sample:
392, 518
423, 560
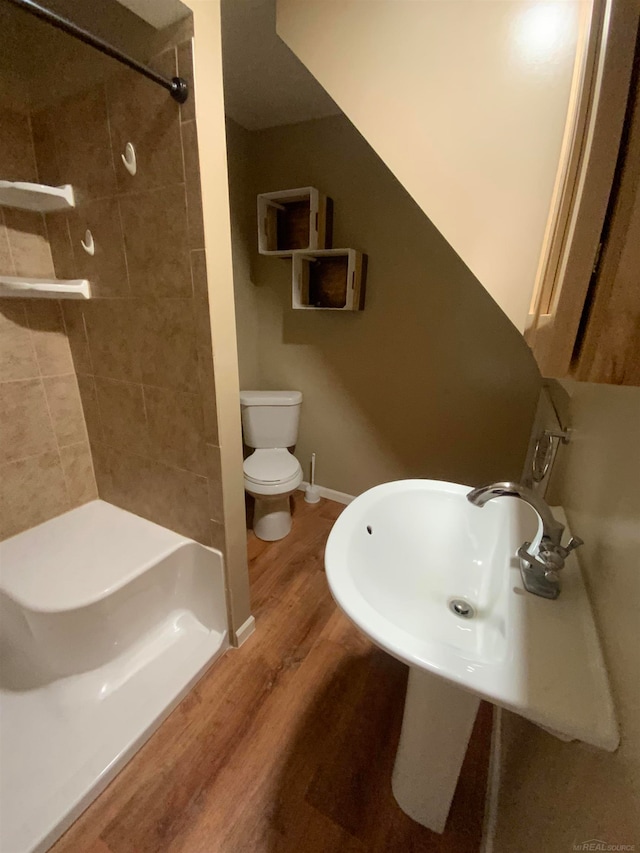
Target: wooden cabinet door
610, 346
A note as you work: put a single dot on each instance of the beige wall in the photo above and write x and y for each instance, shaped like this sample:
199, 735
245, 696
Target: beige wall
431, 379
45, 461
466, 102
553, 794
243, 214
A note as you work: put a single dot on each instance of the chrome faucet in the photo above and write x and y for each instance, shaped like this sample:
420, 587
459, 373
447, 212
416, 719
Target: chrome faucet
539, 566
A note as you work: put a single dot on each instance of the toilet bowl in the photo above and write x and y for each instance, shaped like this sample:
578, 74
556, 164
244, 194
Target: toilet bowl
271, 476
271, 472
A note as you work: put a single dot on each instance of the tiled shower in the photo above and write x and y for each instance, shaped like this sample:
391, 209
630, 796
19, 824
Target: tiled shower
122, 384
108, 416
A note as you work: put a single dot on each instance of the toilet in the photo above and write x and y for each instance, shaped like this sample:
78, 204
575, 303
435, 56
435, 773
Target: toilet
271, 472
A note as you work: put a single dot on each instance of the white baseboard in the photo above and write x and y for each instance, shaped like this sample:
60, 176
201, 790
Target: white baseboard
493, 785
245, 631
330, 494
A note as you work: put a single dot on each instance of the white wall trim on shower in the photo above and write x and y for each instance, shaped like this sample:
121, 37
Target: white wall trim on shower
330, 494
245, 631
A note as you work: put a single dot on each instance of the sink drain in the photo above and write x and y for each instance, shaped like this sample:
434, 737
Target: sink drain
462, 608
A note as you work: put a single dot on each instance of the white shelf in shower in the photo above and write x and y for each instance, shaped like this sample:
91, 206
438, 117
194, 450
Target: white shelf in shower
38, 197
18, 287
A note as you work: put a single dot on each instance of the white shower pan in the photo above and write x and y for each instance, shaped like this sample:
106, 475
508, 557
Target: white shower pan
106, 622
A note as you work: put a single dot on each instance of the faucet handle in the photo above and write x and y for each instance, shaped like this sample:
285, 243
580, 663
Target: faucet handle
573, 543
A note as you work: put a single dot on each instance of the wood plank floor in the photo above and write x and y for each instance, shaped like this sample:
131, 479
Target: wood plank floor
287, 744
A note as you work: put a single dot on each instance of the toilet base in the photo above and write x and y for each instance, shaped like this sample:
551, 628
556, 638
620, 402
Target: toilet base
272, 517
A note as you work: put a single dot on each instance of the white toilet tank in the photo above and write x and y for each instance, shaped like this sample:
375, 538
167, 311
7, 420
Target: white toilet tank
270, 418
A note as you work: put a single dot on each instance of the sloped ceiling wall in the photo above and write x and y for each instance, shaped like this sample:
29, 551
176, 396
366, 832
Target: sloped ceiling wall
466, 103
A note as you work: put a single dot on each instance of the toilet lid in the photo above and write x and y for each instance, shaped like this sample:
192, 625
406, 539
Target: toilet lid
273, 465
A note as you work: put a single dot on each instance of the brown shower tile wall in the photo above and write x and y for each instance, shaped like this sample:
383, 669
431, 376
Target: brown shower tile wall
142, 348
45, 461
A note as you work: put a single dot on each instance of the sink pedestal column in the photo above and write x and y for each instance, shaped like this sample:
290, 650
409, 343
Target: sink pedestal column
436, 727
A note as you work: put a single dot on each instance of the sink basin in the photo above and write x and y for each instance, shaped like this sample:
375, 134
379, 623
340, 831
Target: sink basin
435, 581
403, 552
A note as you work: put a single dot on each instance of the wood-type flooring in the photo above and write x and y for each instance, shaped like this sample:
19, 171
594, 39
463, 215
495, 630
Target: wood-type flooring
286, 745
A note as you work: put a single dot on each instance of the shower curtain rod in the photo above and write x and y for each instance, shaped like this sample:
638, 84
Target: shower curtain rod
178, 88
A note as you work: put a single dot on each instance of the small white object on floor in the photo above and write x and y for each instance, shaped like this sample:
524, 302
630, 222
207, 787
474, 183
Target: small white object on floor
312, 493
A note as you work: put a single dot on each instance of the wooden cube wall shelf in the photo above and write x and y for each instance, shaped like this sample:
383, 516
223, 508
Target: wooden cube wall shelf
293, 220
329, 279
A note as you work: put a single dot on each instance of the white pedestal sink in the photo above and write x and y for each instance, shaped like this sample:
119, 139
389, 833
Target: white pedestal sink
435, 582
429, 757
